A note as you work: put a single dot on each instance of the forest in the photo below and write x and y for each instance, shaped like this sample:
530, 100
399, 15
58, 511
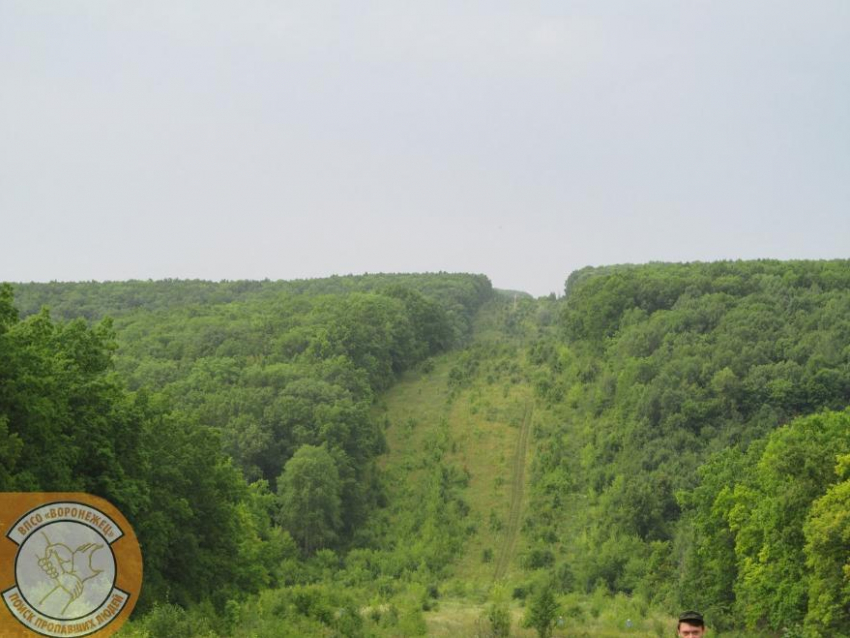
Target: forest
385, 455
701, 440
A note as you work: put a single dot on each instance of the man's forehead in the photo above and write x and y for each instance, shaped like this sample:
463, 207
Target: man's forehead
688, 627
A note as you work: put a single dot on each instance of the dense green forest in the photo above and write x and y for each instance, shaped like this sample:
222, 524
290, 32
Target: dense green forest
212, 416
347, 456
701, 438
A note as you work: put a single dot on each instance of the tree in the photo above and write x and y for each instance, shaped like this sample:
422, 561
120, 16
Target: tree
828, 557
310, 502
795, 470
498, 614
542, 611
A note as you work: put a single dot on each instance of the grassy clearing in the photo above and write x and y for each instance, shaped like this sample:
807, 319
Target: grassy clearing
484, 423
590, 617
488, 435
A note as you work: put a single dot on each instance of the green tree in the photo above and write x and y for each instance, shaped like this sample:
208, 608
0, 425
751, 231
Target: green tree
310, 501
542, 611
498, 614
828, 557
795, 469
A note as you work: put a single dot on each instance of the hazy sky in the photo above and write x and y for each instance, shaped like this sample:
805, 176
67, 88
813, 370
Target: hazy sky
252, 139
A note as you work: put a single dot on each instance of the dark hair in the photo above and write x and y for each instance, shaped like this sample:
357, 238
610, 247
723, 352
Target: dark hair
692, 618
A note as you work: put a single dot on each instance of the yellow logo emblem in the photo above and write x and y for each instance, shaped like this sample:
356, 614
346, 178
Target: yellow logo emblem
70, 565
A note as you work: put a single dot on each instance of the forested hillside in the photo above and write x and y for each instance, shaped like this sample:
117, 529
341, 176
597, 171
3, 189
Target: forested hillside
398, 455
211, 414
701, 443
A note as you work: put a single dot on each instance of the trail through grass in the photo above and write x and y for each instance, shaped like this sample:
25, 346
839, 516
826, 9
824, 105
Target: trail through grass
506, 553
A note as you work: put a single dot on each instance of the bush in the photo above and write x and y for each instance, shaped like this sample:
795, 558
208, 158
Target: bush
171, 621
498, 620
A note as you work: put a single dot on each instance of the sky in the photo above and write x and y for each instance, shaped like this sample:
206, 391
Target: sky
254, 139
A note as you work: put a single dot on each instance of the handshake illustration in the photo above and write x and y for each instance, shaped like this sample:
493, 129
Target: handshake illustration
70, 569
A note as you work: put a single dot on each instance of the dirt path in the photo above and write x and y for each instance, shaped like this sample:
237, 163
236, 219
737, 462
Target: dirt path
506, 553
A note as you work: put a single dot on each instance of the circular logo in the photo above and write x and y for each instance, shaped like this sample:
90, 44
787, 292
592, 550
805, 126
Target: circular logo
76, 570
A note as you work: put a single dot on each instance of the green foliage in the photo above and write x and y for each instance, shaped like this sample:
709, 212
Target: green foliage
310, 492
193, 488
660, 369
751, 516
498, 615
274, 366
684, 448
827, 531
171, 621
232, 381
542, 611
312, 610
768, 516
460, 295
412, 623
67, 424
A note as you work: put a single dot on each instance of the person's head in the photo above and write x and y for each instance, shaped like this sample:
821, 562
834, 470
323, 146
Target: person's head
691, 625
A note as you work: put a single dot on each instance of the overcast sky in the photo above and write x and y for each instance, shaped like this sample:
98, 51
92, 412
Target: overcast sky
523, 140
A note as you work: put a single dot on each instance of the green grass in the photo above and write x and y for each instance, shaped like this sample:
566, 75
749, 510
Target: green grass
483, 425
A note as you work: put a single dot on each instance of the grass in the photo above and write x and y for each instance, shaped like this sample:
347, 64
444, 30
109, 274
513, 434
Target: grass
461, 617
482, 422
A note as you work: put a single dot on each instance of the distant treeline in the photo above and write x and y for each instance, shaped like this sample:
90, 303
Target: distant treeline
230, 422
700, 453
93, 300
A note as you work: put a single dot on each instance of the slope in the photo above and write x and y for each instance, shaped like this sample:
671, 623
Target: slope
471, 415
473, 408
